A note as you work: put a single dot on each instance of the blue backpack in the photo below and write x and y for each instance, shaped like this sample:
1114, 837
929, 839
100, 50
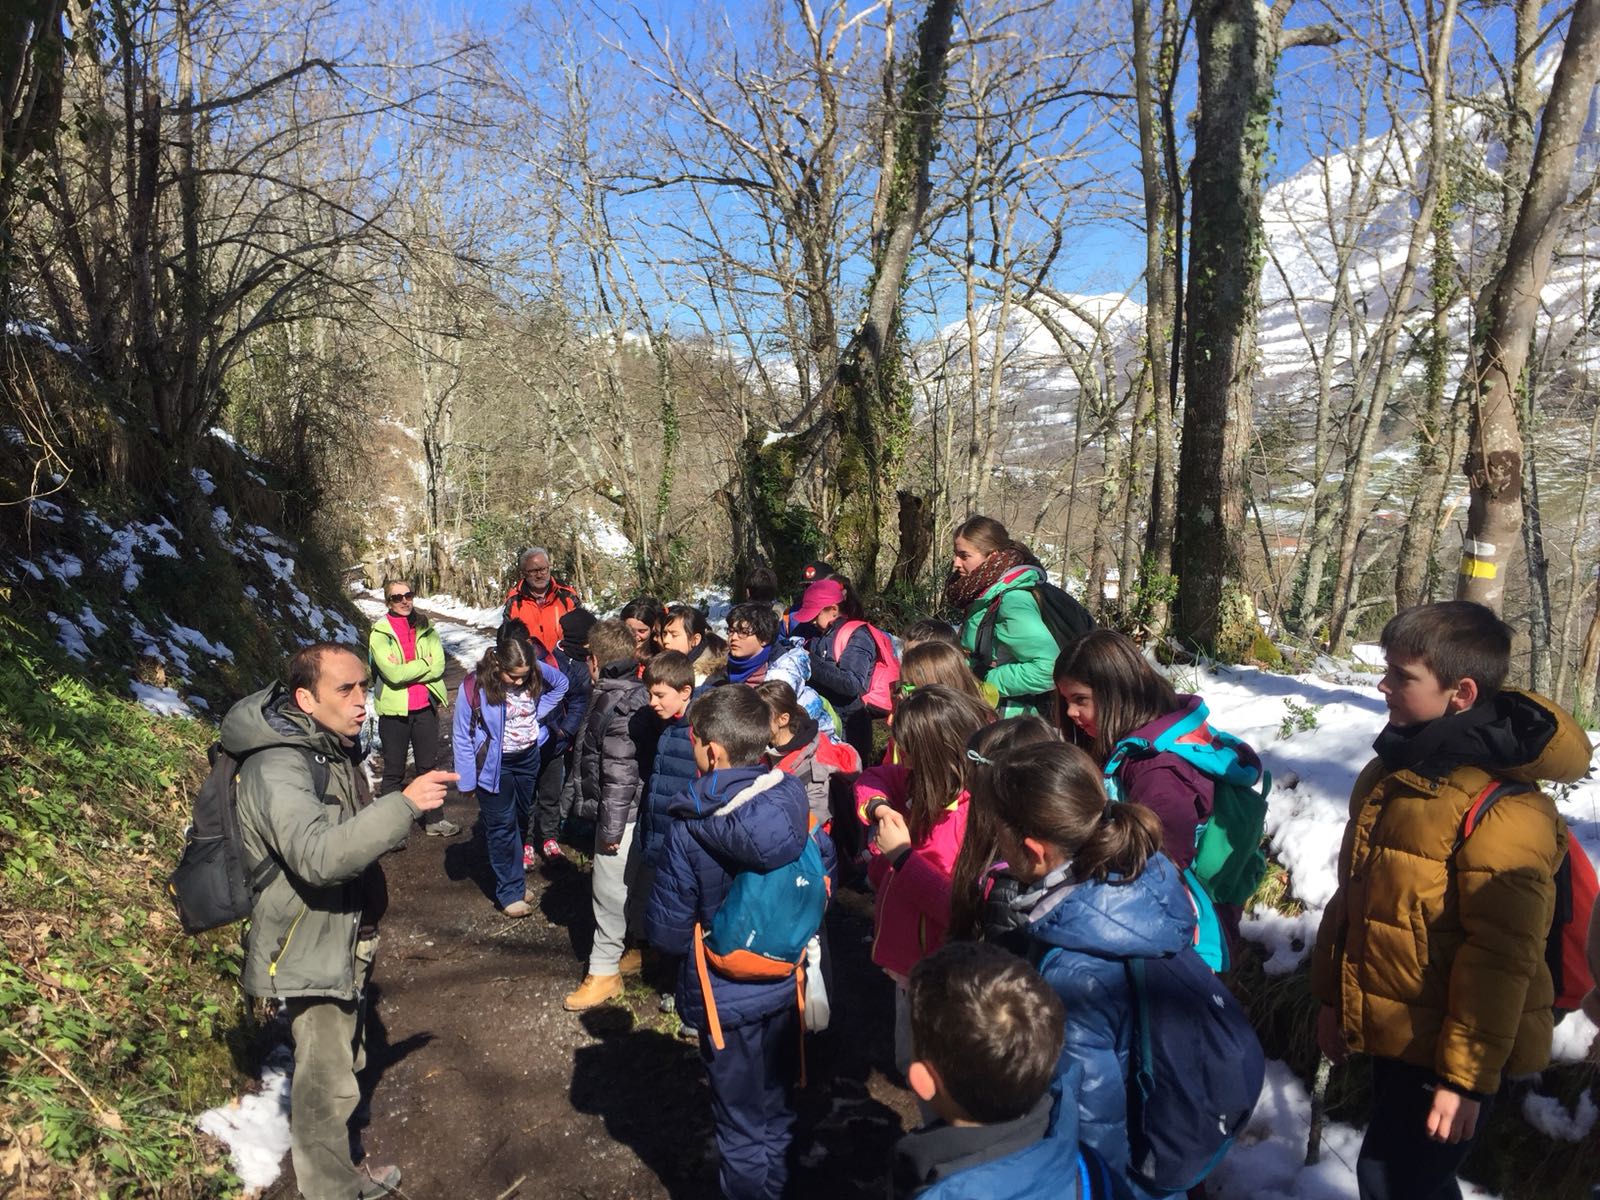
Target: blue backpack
762, 928
1195, 1072
1228, 860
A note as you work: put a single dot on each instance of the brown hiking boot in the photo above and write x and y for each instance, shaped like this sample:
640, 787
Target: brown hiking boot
631, 963
375, 1181
594, 991
518, 909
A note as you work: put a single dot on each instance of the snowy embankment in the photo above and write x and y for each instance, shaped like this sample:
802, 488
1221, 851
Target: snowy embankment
1314, 769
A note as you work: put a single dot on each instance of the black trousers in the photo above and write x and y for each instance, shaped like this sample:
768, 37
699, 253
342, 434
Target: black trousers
418, 731
1399, 1161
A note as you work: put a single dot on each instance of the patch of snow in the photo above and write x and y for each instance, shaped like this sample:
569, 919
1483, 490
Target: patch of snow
221, 519
162, 701
62, 565
90, 622
13, 435
1287, 940
32, 329
196, 640
1268, 1162
1551, 1118
32, 568
46, 510
606, 538
1574, 1039
203, 479
255, 1127
774, 437
1370, 655
69, 635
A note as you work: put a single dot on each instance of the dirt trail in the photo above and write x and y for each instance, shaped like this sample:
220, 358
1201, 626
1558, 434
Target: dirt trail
479, 1079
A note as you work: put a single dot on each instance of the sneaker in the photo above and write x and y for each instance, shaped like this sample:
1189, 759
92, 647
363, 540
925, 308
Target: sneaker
441, 828
377, 1181
550, 849
594, 991
518, 909
668, 1003
631, 963
688, 1032
530, 856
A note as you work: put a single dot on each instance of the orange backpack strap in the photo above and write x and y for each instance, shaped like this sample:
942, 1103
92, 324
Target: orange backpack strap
713, 1022
800, 999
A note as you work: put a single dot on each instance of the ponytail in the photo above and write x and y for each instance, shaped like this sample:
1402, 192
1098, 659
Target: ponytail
1128, 834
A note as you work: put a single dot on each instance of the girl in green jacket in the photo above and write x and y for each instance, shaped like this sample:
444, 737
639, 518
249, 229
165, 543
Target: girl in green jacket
990, 571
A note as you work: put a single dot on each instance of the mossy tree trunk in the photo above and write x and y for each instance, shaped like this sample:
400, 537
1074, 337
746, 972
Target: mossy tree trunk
863, 412
1240, 42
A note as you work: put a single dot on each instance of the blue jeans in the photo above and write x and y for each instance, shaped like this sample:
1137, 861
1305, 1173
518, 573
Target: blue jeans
519, 775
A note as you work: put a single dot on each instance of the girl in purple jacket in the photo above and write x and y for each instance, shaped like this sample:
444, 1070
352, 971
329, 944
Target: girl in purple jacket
1106, 690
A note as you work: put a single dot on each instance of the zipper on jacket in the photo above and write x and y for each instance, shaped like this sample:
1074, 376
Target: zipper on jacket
272, 967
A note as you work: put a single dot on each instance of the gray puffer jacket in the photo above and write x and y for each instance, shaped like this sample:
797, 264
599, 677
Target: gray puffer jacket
302, 935
615, 751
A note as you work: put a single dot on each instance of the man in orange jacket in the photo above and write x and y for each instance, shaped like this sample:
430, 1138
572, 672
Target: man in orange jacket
539, 600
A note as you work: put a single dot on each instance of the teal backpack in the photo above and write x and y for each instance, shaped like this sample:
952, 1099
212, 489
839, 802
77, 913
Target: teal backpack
1228, 859
762, 928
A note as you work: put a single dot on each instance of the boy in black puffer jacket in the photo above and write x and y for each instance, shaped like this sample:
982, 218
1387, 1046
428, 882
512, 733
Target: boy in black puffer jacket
619, 727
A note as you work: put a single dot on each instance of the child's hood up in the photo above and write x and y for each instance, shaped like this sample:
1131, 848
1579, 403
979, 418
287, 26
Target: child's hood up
752, 818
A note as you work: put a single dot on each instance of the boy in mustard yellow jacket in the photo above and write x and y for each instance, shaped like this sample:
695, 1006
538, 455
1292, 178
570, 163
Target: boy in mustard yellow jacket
1430, 957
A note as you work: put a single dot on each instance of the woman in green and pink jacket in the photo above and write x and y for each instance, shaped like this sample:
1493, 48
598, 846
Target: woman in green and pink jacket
407, 663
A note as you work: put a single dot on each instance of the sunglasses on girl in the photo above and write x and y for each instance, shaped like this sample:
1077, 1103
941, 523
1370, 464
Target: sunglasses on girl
396, 597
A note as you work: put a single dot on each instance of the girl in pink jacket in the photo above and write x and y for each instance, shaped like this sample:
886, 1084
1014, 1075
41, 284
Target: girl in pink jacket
917, 809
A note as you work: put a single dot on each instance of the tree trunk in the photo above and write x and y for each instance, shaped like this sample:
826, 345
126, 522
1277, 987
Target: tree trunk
874, 404
1239, 45
1162, 209
1493, 464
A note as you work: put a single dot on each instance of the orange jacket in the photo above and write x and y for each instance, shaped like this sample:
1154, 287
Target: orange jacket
542, 615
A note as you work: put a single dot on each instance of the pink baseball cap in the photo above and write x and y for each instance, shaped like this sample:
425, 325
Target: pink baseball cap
817, 597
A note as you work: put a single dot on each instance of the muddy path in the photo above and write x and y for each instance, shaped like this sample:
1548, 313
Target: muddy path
483, 1088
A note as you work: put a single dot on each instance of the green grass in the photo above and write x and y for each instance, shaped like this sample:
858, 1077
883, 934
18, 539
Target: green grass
116, 1029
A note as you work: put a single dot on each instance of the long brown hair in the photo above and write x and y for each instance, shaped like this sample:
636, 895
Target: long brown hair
931, 729
1128, 691
1052, 792
980, 846
930, 663
512, 650
988, 535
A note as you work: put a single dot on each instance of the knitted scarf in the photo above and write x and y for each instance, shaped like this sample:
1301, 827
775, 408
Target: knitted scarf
961, 590
740, 669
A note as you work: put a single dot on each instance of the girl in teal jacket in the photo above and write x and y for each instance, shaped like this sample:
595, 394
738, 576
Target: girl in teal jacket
989, 570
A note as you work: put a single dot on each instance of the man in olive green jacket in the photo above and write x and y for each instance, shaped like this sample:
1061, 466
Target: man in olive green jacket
305, 803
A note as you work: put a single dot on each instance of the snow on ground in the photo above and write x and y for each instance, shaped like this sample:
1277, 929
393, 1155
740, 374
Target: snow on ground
1268, 1160
255, 1127
162, 701
69, 635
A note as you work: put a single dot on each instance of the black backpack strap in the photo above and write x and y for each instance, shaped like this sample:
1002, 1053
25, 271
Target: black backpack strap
1481, 805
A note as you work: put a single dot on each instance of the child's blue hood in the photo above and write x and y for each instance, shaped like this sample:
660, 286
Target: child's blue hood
751, 818
1147, 917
